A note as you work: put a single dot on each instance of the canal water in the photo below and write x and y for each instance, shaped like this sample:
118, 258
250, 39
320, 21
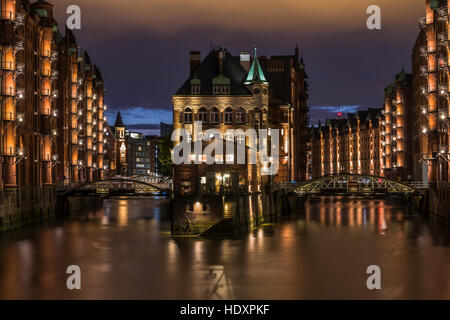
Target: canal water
125, 251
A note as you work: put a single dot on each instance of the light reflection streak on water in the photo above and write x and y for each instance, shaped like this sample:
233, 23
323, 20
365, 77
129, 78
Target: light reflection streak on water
320, 253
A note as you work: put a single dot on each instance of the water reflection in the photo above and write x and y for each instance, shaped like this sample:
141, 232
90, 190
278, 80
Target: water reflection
124, 252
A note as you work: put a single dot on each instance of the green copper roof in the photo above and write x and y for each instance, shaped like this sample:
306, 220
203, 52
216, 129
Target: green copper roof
42, 13
401, 76
256, 73
220, 79
389, 89
434, 4
196, 81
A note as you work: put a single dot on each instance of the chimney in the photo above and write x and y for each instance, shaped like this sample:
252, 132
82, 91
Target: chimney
194, 59
221, 58
245, 60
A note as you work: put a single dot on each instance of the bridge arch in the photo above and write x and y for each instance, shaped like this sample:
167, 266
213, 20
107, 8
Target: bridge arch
120, 185
345, 183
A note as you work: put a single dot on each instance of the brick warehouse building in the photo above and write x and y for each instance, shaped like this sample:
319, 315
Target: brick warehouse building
431, 94
415, 126
397, 131
351, 145
52, 101
51, 105
228, 92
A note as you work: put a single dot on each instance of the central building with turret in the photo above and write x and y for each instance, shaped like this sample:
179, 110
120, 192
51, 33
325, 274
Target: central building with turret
227, 92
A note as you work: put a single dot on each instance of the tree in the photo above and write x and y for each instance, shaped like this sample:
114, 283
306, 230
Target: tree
164, 156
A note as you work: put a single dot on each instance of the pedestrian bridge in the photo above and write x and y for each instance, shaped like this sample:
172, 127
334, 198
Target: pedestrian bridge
353, 184
120, 186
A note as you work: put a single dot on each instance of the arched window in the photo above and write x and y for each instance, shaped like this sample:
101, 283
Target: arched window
240, 138
202, 115
228, 116
240, 114
214, 118
188, 115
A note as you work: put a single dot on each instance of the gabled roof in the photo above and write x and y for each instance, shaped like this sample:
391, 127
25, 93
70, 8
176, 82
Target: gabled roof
210, 70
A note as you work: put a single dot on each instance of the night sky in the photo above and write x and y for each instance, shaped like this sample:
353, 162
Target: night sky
142, 46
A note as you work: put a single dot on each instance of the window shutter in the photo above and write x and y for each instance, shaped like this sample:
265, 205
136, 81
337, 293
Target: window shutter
246, 117
221, 117
181, 117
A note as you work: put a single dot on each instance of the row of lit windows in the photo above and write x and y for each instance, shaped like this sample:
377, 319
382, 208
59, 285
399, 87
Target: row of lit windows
230, 117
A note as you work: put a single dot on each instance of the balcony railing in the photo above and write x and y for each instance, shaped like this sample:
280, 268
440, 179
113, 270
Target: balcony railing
424, 109
54, 56
443, 62
442, 14
424, 51
424, 90
424, 70
19, 46
443, 149
55, 75
423, 22
442, 37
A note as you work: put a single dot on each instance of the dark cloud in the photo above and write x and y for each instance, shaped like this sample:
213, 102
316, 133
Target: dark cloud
142, 46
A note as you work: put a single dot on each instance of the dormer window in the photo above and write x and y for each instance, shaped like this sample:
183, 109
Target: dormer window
221, 85
195, 89
195, 86
221, 89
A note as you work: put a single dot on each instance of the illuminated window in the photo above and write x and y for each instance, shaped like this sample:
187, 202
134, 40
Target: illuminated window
202, 115
240, 138
188, 115
240, 114
228, 116
214, 117
195, 89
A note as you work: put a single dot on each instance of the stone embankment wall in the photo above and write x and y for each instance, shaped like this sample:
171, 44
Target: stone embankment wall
194, 215
27, 206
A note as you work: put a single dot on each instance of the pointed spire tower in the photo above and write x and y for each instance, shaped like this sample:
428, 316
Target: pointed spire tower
257, 83
119, 121
119, 127
256, 74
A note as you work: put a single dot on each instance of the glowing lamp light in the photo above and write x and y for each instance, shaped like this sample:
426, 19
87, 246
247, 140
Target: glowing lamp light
424, 130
